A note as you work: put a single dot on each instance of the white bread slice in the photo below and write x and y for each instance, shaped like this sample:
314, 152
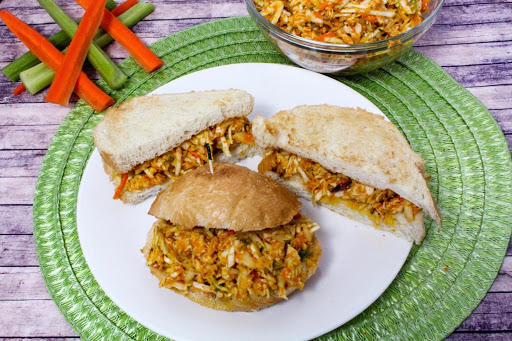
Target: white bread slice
412, 231
144, 127
356, 143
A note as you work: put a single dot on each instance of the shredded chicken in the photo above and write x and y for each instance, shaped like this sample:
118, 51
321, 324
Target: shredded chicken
191, 154
381, 205
234, 264
344, 21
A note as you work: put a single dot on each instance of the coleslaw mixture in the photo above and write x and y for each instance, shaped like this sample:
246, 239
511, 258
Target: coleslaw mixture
380, 205
234, 264
344, 21
191, 154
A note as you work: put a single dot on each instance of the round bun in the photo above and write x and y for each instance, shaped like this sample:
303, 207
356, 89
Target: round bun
233, 198
233, 304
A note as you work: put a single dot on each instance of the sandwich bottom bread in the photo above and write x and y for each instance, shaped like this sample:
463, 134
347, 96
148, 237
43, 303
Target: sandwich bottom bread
234, 240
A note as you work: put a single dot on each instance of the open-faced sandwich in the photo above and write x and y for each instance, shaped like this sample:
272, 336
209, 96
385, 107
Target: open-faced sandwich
234, 240
149, 141
351, 161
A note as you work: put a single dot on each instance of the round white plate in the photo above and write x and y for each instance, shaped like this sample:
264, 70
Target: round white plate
358, 262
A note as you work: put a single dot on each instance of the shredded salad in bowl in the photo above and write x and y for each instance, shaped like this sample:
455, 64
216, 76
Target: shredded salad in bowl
344, 21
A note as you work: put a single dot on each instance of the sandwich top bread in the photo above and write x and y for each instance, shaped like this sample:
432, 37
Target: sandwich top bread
150, 140
351, 161
233, 240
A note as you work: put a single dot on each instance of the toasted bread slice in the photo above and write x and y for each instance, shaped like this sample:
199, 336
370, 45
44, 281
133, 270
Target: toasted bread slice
148, 126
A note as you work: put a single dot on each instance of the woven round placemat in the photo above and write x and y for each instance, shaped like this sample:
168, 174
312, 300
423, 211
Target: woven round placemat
466, 154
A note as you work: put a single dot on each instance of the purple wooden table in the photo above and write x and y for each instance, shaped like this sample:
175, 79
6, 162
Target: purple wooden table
472, 40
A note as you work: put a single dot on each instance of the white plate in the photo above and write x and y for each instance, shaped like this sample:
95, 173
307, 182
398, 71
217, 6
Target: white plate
358, 262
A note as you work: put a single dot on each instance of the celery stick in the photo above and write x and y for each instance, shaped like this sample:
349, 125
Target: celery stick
114, 77
40, 76
28, 60
37, 78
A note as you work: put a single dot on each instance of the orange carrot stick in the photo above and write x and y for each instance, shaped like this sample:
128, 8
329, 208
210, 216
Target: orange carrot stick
124, 7
124, 36
119, 188
53, 58
69, 71
19, 89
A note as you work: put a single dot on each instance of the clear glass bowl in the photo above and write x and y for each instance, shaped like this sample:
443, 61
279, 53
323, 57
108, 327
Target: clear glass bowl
342, 59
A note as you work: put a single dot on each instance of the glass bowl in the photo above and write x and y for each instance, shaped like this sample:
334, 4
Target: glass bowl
342, 59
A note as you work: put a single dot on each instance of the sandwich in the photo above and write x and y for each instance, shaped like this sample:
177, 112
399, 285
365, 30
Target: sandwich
233, 240
149, 141
351, 161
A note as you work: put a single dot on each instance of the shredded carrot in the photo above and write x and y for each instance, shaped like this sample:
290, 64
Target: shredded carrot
323, 5
119, 188
416, 19
124, 7
371, 18
424, 5
325, 35
69, 71
194, 154
249, 137
19, 89
124, 36
53, 58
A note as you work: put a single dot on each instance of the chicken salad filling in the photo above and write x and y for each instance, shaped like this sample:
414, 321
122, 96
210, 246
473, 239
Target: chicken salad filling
233, 264
380, 205
189, 155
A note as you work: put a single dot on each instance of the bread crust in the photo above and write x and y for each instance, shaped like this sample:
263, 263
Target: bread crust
232, 304
354, 142
144, 127
234, 198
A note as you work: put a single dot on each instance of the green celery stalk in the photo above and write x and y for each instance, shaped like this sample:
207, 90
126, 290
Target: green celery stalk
40, 76
37, 78
113, 75
28, 60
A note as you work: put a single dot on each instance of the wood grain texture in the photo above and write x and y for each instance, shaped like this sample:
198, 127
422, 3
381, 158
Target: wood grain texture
17, 251
471, 39
33, 318
16, 219
21, 284
17, 191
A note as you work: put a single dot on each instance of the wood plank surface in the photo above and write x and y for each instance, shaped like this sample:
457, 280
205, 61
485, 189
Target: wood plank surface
16, 220
471, 39
33, 318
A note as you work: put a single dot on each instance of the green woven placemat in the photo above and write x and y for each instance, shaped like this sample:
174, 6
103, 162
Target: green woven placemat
465, 153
